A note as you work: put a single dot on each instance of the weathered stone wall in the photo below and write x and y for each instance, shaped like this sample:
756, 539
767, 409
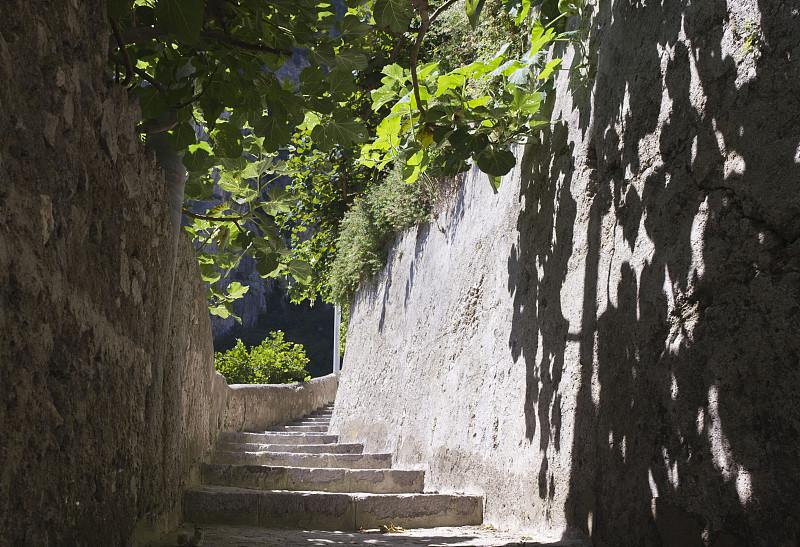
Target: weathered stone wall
255, 407
105, 408
610, 346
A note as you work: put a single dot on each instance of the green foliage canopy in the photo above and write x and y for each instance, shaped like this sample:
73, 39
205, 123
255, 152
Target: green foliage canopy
367, 100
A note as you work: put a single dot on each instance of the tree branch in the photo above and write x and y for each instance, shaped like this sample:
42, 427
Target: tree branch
143, 75
236, 222
215, 219
160, 127
155, 32
245, 45
198, 95
143, 33
441, 9
126, 58
422, 7
390, 31
398, 47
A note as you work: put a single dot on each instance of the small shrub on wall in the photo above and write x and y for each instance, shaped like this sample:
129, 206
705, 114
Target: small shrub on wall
370, 227
273, 361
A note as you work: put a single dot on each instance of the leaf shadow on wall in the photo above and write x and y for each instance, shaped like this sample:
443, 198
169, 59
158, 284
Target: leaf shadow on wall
536, 271
687, 411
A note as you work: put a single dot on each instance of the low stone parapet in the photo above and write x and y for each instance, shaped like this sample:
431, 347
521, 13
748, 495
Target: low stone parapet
255, 407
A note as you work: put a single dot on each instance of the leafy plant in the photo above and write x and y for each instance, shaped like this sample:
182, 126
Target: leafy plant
369, 227
274, 361
436, 122
452, 42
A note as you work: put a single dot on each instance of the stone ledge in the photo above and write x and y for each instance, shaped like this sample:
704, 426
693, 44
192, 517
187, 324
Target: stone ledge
255, 407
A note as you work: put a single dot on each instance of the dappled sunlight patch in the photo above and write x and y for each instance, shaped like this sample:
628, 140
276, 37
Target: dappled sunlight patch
652, 482
721, 451
742, 41
735, 165
671, 468
696, 240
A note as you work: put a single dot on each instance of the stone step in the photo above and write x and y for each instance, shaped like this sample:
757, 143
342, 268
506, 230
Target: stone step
298, 428
312, 421
337, 448
350, 461
278, 438
292, 433
327, 511
376, 481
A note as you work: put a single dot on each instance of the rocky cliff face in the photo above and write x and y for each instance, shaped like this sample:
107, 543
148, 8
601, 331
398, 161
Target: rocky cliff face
107, 398
609, 346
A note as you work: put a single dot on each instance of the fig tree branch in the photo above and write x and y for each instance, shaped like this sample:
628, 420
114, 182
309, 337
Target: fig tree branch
398, 48
441, 9
142, 74
216, 219
245, 45
159, 127
422, 7
156, 32
126, 58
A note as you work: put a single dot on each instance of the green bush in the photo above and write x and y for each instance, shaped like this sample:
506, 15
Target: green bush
273, 361
369, 228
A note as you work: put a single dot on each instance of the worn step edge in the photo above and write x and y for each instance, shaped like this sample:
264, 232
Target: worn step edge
298, 428
279, 438
350, 461
309, 434
332, 479
337, 448
327, 510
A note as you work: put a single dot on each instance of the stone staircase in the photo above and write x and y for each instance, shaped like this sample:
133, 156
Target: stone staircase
298, 476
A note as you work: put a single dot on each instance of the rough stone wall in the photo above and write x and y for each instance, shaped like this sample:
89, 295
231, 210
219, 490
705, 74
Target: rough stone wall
255, 407
609, 346
105, 409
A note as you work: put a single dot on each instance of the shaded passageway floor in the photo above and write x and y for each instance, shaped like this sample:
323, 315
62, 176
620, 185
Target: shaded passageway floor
472, 536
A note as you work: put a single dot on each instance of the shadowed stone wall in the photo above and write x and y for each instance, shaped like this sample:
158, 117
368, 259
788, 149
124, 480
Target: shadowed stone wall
609, 346
105, 406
